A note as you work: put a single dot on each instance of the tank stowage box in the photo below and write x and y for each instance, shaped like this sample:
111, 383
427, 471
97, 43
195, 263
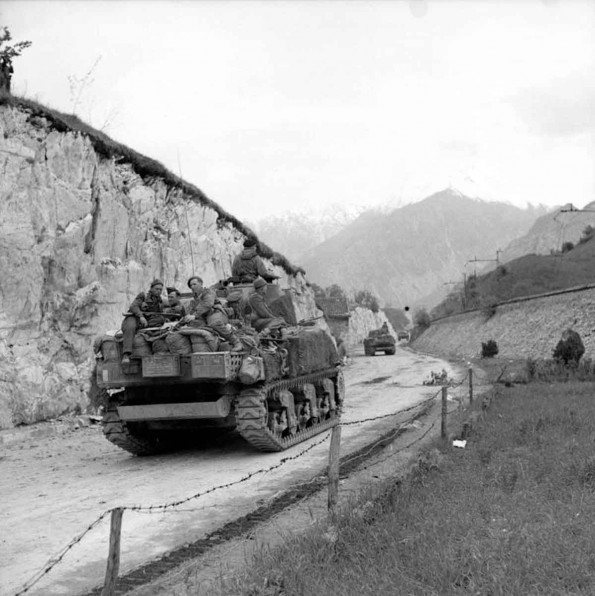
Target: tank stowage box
276, 393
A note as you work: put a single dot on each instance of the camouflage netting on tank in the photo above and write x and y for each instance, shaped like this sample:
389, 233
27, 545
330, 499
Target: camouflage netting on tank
311, 350
273, 364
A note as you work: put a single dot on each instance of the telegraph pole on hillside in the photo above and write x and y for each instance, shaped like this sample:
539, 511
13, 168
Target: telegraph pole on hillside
476, 260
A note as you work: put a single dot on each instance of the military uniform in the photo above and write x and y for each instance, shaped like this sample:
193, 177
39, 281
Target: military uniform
247, 266
143, 303
210, 314
262, 315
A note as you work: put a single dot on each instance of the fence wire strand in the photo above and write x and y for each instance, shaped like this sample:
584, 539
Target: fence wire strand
53, 561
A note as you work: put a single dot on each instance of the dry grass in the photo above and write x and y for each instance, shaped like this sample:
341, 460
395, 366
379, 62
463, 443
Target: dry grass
510, 514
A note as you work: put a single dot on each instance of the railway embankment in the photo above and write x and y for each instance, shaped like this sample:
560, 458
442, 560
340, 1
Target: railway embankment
527, 327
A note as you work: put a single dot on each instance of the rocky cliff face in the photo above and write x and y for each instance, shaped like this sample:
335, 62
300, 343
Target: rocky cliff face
80, 236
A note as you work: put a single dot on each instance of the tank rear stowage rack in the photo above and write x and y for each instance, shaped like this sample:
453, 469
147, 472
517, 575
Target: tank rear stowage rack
274, 393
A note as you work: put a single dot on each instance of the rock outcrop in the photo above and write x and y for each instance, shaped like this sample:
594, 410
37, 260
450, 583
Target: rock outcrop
80, 235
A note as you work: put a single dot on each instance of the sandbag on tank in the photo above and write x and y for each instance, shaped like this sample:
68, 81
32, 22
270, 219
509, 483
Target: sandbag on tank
311, 350
202, 340
178, 343
141, 347
160, 346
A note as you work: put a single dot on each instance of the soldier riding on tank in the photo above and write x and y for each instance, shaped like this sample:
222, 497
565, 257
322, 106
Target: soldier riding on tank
247, 266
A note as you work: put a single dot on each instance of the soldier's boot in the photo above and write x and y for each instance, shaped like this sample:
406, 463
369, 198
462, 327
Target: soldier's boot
236, 344
231, 337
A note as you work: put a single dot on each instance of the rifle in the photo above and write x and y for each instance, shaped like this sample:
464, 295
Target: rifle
309, 322
147, 313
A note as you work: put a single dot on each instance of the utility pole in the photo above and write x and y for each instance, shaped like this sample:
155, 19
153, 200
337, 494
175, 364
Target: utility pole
476, 260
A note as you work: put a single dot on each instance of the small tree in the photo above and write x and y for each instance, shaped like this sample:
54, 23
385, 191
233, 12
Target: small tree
366, 299
7, 53
422, 319
567, 247
336, 291
318, 291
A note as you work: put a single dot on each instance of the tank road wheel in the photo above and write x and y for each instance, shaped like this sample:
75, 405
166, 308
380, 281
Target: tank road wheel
124, 435
276, 416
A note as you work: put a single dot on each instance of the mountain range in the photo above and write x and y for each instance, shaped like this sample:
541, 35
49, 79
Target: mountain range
295, 232
409, 255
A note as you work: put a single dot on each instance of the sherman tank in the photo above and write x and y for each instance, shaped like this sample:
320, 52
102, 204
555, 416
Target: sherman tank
275, 393
380, 340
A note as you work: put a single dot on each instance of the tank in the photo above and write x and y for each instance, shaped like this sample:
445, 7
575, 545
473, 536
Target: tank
379, 340
275, 393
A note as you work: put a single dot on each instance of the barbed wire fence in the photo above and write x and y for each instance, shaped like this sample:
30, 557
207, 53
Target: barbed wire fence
116, 513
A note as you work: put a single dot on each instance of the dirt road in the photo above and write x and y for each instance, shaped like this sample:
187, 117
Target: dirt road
53, 489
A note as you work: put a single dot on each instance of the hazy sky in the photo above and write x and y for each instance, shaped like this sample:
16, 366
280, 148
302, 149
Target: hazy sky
270, 106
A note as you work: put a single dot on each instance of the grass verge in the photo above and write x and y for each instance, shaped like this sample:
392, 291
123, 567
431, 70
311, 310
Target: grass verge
509, 514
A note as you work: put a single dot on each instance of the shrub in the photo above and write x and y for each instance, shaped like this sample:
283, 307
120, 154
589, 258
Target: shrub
318, 291
336, 291
588, 233
421, 318
489, 349
555, 371
366, 299
569, 349
488, 306
567, 247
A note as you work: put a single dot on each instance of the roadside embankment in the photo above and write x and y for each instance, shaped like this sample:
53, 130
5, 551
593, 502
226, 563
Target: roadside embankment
527, 328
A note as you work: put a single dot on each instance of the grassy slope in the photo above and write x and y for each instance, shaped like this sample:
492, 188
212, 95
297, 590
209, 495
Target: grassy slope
510, 514
143, 165
528, 275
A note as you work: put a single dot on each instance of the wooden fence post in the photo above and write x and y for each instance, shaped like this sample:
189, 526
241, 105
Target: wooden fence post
113, 559
444, 412
333, 469
470, 386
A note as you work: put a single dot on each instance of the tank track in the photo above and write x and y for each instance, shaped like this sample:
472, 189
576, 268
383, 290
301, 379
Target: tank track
252, 412
117, 432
